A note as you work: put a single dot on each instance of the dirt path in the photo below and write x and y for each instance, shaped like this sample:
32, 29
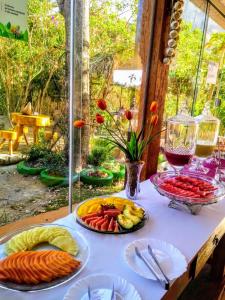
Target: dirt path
21, 196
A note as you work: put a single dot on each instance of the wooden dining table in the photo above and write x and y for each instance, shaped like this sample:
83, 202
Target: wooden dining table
196, 236
34, 121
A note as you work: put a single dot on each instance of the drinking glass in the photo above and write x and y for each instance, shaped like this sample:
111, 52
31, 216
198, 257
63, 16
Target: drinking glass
180, 140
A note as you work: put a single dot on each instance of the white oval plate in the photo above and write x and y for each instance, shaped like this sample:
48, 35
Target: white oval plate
83, 256
101, 288
173, 262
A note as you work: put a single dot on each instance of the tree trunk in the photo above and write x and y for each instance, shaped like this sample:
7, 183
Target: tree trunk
81, 82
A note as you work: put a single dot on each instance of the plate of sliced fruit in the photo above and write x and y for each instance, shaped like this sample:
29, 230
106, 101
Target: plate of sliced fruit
189, 189
113, 215
41, 257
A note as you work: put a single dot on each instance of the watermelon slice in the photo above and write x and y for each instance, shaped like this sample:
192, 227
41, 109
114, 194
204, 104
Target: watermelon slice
116, 228
111, 225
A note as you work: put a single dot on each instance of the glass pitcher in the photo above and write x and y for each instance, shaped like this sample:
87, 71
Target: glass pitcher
180, 141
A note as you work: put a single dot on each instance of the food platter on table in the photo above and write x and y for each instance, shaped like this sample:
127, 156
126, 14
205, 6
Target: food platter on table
189, 191
113, 215
41, 257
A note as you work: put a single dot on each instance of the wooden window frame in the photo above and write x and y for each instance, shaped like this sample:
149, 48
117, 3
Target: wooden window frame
154, 36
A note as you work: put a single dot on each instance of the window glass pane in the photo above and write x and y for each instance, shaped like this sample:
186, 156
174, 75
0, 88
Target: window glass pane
33, 106
211, 79
183, 69
115, 73
190, 71
107, 66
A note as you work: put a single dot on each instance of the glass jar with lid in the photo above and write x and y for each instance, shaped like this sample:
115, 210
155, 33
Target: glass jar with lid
207, 133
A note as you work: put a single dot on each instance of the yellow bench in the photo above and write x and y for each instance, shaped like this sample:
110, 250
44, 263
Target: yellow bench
10, 136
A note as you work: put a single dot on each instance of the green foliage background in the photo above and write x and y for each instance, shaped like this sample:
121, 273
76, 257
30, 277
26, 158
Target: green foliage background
183, 72
35, 71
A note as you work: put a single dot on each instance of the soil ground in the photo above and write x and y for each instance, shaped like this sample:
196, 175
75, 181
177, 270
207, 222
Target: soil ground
22, 196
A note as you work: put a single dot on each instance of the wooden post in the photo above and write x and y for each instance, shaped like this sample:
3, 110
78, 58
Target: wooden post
154, 81
10, 147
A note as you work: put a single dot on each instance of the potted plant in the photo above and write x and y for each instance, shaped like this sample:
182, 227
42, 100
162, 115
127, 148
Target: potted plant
132, 144
117, 169
56, 173
34, 163
95, 174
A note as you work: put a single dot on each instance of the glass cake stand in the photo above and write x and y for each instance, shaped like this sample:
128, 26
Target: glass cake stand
186, 203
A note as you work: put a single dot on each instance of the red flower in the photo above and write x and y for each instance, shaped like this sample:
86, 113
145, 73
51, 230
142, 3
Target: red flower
154, 120
128, 115
101, 103
154, 107
79, 123
99, 119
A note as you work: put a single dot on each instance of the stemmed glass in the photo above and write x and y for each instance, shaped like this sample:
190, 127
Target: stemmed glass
180, 140
220, 160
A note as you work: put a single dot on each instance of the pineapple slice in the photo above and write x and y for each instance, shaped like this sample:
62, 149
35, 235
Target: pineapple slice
55, 235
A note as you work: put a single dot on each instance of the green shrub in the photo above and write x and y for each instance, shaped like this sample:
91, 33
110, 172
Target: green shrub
104, 145
97, 156
41, 154
37, 152
56, 163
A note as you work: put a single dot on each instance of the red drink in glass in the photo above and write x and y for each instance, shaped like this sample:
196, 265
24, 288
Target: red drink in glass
177, 159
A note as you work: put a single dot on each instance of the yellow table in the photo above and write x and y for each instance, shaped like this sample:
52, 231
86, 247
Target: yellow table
21, 121
8, 135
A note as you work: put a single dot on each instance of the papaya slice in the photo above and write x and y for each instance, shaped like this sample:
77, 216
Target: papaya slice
33, 267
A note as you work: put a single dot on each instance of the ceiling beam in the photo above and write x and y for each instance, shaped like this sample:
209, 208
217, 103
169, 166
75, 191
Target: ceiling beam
213, 13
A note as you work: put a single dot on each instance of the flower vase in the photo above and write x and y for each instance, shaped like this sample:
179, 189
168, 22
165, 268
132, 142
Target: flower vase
133, 178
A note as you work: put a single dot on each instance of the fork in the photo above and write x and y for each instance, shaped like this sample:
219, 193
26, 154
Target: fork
162, 282
89, 293
158, 264
112, 295
113, 292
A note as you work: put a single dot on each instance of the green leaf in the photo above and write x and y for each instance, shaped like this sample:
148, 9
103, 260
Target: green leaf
141, 147
25, 36
8, 25
132, 145
140, 134
119, 146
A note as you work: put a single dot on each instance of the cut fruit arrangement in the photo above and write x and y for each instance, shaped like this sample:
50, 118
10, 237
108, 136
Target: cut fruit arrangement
22, 266
110, 215
54, 235
189, 187
33, 267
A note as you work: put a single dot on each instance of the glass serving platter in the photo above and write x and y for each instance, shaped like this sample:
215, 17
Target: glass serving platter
185, 202
109, 200
83, 256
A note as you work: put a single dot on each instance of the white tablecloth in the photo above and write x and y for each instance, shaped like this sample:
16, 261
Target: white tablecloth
185, 231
